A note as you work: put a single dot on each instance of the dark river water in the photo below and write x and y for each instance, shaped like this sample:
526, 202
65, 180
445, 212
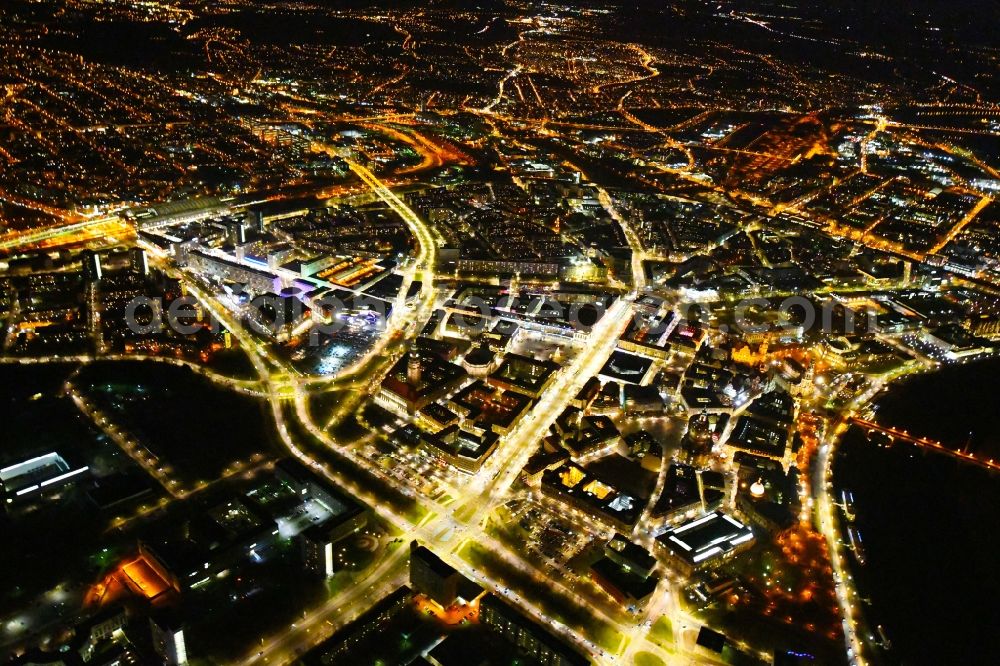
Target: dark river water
929, 523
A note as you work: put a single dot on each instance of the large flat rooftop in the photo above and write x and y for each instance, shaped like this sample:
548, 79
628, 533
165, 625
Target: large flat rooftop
35, 474
706, 537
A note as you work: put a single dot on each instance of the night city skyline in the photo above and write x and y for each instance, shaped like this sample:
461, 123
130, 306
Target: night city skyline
500, 332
